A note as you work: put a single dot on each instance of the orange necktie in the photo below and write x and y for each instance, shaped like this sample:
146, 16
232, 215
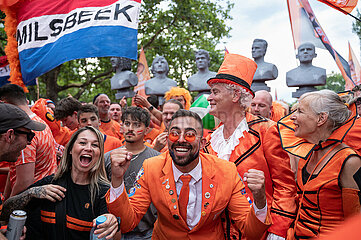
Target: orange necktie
184, 196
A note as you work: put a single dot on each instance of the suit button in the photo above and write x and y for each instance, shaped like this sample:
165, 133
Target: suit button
176, 217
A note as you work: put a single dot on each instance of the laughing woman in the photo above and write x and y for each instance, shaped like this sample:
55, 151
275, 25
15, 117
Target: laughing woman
328, 174
64, 205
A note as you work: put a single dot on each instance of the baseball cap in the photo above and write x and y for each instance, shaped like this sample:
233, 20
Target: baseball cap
12, 117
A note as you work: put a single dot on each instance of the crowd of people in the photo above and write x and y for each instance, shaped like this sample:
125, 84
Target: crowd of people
265, 172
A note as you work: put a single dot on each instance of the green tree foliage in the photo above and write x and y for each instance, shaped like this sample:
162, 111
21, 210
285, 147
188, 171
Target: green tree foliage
356, 25
172, 28
176, 29
2, 34
334, 82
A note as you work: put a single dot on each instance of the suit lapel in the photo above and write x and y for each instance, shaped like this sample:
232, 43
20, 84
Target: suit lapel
169, 191
209, 189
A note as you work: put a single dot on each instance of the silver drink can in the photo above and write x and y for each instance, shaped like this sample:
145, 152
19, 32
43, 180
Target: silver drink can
16, 225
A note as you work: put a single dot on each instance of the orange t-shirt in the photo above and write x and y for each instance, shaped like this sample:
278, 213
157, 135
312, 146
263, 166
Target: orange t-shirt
149, 138
111, 128
41, 151
111, 143
3, 175
61, 134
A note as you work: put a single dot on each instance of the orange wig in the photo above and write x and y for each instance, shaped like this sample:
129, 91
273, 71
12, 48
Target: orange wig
177, 91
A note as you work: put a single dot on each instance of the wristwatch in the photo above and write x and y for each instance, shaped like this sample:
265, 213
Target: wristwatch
150, 108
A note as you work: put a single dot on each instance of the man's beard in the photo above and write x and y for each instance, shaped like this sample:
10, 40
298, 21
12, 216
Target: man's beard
190, 158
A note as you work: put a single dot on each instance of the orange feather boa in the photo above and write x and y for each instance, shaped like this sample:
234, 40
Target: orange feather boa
11, 48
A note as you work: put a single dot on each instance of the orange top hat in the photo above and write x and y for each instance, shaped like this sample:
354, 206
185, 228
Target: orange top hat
236, 69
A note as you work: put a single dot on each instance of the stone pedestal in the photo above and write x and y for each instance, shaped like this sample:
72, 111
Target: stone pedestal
259, 85
302, 90
127, 93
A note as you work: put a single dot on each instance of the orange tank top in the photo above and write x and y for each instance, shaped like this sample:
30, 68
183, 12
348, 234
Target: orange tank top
321, 210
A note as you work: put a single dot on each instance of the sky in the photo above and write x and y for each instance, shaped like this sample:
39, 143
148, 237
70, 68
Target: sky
269, 20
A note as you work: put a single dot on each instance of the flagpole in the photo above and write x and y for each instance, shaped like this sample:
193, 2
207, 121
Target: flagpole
37, 89
354, 17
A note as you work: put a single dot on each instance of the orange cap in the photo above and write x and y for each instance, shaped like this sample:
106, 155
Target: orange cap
236, 69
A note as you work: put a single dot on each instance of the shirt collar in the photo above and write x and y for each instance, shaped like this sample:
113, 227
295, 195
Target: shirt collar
196, 172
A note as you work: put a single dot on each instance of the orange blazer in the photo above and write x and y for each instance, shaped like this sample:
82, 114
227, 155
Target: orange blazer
221, 189
261, 149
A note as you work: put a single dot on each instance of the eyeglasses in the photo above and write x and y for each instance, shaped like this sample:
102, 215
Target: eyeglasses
29, 135
188, 136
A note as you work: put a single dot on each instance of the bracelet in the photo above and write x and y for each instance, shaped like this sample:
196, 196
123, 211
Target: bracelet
150, 108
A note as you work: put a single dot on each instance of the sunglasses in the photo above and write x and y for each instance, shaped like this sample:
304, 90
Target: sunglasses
188, 136
29, 135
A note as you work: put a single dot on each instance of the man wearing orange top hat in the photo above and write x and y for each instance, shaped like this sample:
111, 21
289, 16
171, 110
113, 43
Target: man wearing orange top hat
251, 142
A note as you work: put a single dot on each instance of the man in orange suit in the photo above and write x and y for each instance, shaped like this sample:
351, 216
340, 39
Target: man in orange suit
250, 142
189, 189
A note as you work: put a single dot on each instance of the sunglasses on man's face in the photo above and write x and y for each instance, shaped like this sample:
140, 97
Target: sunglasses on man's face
29, 135
188, 136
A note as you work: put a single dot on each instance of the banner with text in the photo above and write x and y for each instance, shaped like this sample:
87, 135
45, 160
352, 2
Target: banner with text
354, 66
344, 6
142, 73
50, 33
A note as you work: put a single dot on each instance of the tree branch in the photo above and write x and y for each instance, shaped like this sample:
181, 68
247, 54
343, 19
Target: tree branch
87, 83
82, 90
159, 32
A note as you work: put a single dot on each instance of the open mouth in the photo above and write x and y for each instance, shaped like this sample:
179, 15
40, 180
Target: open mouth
182, 150
85, 160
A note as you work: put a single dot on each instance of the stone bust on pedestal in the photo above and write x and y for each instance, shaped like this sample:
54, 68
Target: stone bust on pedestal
198, 81
160, 83
305, 76
123, 79
265, 71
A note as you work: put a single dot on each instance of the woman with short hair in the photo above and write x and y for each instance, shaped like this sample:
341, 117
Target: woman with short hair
328, 169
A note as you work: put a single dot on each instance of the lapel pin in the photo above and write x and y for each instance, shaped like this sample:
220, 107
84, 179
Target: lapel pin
171, 192
211, 185
206, 204
167, 186
175, 207
207, 195
203, 213
165, 181
173, 200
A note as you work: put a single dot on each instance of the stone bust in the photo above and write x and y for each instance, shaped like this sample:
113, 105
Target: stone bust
306, 74
123, 77
265, 71
198, 81
160, 83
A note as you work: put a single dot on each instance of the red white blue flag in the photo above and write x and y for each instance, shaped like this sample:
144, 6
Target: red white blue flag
51, 32
4, 70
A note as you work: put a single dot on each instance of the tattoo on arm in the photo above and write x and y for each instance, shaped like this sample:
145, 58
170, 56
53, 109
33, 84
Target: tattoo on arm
20, 201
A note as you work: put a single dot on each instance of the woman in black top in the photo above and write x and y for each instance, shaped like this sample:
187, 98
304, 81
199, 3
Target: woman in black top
64, 205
